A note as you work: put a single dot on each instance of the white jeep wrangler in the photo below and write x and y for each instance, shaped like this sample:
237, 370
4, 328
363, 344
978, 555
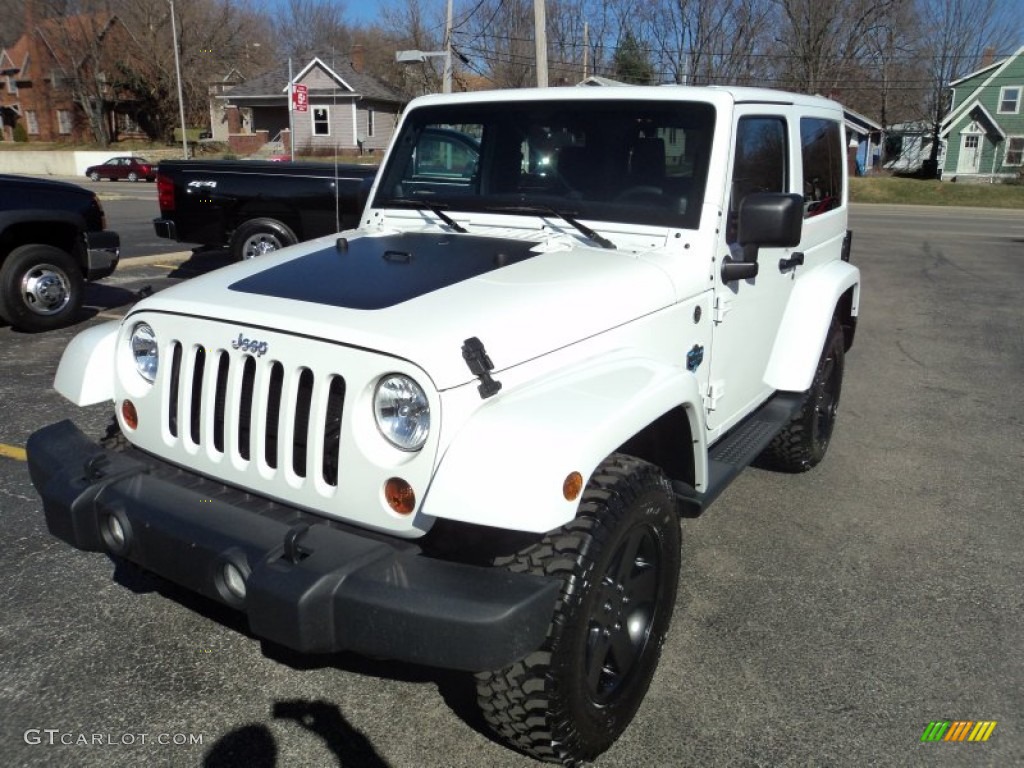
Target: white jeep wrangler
463, 434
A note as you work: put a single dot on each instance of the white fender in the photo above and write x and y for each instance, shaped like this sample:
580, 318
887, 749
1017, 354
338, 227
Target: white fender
507, 465
805, 323
86, 372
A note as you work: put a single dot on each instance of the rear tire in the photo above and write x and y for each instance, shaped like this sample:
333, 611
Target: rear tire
41, 288
619, 563
802, 444
260, 236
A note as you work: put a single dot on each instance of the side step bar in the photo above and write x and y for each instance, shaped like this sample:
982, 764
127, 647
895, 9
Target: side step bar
737, 450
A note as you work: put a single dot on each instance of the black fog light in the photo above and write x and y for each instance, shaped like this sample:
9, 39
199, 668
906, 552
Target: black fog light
116, 532
230, 580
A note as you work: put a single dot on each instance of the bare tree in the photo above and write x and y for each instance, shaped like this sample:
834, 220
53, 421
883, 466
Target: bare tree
309, 27
821, 42
702, 42
955, 34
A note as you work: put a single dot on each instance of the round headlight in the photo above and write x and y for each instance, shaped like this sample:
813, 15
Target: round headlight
145, 351
402, 412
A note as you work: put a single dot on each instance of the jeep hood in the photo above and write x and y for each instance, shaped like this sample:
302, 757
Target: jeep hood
419, 296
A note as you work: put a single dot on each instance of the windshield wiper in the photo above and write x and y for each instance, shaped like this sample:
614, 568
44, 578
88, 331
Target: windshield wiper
566, 216
436, 208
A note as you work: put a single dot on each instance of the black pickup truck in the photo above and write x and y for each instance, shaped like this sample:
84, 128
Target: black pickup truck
255, 207
53, 238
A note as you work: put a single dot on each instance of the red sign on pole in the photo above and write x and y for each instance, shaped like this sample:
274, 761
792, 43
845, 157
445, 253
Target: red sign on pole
300, 98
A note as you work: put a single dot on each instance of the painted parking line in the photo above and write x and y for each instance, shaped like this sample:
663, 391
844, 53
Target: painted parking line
13, 452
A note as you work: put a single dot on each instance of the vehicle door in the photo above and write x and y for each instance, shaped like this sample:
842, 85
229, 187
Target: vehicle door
747, 312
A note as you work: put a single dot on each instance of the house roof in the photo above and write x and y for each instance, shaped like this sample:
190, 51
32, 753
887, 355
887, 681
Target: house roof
994, 71
274, 82
859, 122
974, 108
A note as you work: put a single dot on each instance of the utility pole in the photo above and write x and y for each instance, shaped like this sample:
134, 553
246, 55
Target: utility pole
540, 32
291, 112
586, 47
447, 85
177, 69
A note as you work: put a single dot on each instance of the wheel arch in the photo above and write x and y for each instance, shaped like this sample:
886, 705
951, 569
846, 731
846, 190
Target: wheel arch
547, 431
832, 290
285, 215
59, 231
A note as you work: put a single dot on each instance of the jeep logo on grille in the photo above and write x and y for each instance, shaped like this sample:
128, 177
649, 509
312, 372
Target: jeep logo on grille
258, 348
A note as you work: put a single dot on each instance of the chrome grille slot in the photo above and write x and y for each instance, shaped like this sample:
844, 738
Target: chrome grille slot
245, 407
219, 400
272, 424
196, 399
332, 430
300, 424
172, 401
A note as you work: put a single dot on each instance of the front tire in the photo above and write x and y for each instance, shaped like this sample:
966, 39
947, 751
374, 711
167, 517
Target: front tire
260, 236
94, 176
619, 564
41, 288
802, 444
133, 176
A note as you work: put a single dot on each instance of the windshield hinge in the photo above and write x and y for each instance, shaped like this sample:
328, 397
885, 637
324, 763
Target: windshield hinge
711, 393
723, 304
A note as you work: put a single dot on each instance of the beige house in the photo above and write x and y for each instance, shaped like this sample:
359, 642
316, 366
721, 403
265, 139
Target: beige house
349, 111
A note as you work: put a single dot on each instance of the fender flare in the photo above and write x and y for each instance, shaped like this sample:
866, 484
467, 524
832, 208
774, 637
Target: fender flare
506, 466
87, 368
805, 324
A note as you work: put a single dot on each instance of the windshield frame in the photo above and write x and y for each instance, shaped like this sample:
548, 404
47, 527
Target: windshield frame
525, 148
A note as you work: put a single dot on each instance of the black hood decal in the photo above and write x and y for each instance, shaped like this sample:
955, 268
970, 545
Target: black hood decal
380, 272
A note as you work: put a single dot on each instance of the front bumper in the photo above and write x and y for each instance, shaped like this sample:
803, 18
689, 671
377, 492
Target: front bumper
310, 584
102, 251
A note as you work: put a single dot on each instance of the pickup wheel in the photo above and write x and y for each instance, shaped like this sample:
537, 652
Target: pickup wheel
803, 442
259, 236
619, 565
41, 288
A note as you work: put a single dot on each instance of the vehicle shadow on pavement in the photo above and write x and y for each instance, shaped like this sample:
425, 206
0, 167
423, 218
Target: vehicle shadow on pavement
254, 746
456, 688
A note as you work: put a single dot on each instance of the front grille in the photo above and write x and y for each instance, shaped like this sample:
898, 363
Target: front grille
253, 409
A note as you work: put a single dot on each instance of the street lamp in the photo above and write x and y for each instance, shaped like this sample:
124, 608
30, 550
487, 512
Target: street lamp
177, 69
413, 56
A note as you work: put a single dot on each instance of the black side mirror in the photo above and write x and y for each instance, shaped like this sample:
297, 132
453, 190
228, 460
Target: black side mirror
771, 220
766, 220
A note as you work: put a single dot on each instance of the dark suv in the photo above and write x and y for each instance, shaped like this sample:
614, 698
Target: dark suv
53, 239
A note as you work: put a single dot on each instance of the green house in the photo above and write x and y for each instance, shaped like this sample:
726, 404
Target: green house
984, 130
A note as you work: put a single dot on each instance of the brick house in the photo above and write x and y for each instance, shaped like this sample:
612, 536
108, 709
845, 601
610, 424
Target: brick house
350, 111
39, 72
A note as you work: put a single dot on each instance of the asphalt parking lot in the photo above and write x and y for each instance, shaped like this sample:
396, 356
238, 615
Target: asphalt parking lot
823, 619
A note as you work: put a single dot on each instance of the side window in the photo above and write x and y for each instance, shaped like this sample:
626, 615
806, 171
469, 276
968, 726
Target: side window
760, 163
822, 150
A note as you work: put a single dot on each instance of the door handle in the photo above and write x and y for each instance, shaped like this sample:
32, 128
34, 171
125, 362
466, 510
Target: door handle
796, 260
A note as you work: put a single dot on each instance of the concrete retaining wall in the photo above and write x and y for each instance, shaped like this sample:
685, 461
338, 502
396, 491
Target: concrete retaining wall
56, 163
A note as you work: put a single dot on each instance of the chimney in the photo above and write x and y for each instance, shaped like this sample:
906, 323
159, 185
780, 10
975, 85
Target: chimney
988, 56
357, 58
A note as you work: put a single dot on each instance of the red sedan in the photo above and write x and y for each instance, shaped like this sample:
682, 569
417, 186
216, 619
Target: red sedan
131, 168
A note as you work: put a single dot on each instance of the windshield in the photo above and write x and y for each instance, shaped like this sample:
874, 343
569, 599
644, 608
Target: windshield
637, 162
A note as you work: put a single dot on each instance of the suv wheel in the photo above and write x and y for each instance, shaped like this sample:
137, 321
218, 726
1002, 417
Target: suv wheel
619, 563
803, 442
260, 236
41, 288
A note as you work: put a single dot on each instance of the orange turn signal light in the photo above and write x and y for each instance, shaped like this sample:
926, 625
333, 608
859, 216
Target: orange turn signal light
129, 415
400, 496
572, 485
